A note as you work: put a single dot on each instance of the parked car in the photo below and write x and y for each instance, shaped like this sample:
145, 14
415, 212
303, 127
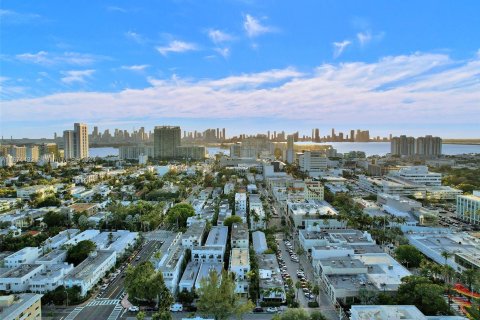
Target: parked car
134, 309
258, 309
176, 307
272, 309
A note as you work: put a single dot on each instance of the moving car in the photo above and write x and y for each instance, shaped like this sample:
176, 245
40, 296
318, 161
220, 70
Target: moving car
176, 307
133, 309
272, 310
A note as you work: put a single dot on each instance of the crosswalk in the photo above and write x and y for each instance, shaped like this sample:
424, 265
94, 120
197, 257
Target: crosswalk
74, 313
115, 313
103, 302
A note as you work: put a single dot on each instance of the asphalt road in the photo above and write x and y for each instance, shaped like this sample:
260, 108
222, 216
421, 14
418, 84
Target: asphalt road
95, 313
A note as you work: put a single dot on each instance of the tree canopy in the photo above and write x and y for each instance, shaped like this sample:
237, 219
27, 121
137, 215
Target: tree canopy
178, 214
143, 283
79, 252
231, 220
409, 255
423, 293
217, 297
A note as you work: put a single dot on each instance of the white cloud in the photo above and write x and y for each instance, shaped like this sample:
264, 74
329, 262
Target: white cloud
137, 67
13, 17
218, 36
116, 9
49, 59
131, 35
254, 28
176, 46
366, 37
73, 76
339, 47
419, 89
224, 52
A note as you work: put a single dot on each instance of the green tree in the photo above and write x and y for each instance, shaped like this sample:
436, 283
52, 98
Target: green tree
317, 315
424, 294
231, 220
162, 315
178, 214
54, 219
409, 255
217, 298
141, 315
79, 252
143, 283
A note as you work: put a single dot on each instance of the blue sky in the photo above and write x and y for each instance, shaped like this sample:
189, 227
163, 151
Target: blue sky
250, 66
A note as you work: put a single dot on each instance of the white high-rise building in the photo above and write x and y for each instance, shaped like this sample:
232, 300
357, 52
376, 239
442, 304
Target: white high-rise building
68, 144
290, 149
312, 161
81, 140
76, 142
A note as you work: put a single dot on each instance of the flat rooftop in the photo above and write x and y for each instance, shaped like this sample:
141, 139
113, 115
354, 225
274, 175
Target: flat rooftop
191, 272
239, 231
89, 265
217, 236
239, 257
21, 270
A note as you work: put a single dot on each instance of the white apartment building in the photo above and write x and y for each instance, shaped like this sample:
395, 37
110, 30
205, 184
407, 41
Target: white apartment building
194, 235
187, 282
259, 242
405, 312
205, 270
271, 283
85, 235
58, 240
18, 279
468, 207
25, 193
240, 266
214, 248
87, 274
312, 162
239, 236
50, 277
257, 214
170, 266
26, 255
240, 203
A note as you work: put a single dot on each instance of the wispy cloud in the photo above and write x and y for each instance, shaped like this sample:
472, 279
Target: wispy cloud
137, 67
339, 47
177, 46
253, 27
218, 36
116, 9
13, 17
224, 52
365, 37
49, 59
79, 76
418, 89
134, 36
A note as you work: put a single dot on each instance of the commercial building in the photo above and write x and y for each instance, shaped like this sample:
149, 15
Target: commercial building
404, 312
463, 248
25, 306
166, 139
91, 270
418, 175
468, 207
191, 152
312, 162
76, 142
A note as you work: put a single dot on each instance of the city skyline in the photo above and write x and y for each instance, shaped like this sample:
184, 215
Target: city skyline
243, 65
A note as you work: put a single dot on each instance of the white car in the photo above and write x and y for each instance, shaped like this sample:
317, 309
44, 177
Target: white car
272, 310
134, 309
176, 307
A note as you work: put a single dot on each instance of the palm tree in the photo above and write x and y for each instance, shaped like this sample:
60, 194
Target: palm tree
298, 286
316, 291
469, 276
445, 254
449, 272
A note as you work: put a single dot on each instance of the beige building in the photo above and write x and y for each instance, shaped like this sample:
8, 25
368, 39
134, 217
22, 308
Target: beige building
26, 306
313, 190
